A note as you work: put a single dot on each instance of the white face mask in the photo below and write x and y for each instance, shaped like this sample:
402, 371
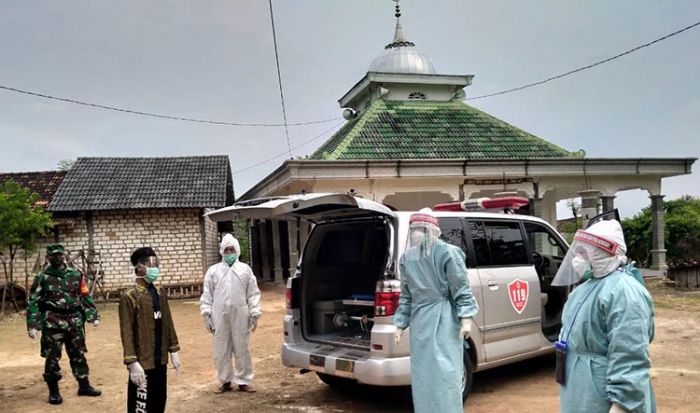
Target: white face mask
582, 267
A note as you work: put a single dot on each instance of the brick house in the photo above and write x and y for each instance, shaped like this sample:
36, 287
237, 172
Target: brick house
107, 207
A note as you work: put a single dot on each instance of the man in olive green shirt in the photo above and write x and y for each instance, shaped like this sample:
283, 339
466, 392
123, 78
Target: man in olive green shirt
148, 335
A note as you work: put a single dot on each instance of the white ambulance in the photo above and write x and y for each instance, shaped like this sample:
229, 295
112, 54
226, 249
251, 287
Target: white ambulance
341, 301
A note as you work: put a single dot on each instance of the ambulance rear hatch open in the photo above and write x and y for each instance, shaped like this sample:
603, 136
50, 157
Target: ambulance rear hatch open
345, 271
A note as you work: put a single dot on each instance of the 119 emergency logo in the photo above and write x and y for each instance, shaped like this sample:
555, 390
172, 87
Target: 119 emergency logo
518, 291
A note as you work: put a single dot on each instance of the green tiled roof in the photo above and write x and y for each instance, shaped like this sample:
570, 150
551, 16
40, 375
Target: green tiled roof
433, 130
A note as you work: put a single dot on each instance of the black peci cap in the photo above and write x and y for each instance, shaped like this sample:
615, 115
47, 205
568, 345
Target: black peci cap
141, 253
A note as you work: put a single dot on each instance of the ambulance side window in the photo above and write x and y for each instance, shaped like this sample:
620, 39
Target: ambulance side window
453, 233
543, 241
506, 243
481, 246
497, 243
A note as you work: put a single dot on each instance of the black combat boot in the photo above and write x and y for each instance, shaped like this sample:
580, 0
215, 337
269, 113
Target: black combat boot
54, 394
85, 389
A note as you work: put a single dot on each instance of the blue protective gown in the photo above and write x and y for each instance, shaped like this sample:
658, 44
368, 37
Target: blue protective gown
435, 294
608, 346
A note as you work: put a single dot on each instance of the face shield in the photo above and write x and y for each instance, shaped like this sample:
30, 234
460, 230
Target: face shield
152, 269
590, 256
150, 262
422, 237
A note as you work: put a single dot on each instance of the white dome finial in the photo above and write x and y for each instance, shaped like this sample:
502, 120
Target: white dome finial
399, 38
400, 56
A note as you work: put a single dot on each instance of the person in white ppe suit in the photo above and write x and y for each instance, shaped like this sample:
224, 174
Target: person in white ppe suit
230, 307
607, 325
437, 303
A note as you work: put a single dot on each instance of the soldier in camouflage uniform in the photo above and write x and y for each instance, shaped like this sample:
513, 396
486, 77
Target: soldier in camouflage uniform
59, 305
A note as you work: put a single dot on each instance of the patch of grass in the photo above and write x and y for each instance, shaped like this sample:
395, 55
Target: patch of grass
684, 303
665, 295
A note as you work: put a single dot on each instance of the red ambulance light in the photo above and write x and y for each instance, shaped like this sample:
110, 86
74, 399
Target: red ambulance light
450, 207
509, 202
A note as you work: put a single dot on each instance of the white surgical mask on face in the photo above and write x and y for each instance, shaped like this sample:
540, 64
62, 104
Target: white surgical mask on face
582, 267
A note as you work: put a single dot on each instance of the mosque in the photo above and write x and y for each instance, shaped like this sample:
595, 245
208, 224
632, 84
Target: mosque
410, 141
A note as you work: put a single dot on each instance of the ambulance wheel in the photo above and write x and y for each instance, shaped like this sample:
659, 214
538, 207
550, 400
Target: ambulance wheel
335, 381
468, 376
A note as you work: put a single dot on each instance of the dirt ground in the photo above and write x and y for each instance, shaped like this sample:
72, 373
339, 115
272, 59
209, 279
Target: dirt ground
524, 387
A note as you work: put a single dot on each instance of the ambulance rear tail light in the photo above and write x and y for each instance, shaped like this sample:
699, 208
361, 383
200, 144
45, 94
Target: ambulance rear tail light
386, 297
480, 204
291, 293
288, 297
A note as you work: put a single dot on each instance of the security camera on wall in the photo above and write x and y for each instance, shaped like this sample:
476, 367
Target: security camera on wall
459, 95
349, 113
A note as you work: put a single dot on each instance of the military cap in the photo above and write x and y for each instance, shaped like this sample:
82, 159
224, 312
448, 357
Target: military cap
54, 249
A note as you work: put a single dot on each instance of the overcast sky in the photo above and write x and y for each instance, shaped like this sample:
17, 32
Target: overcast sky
215, 60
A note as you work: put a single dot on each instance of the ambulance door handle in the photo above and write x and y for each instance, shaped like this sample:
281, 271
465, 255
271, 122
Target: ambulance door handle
493, 285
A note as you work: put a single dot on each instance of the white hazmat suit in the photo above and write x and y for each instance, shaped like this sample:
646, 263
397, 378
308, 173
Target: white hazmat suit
232, 299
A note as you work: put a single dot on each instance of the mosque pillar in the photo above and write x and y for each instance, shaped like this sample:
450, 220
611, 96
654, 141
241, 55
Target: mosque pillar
608, 202
254, 248
293, 240
277, 253
264, 250
590, 204
658, 250
536, 207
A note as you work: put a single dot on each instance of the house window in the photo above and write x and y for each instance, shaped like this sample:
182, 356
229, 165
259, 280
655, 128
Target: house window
417, 96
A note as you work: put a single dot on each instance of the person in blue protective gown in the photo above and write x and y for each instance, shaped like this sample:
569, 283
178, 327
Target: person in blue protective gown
437, 303
607, 325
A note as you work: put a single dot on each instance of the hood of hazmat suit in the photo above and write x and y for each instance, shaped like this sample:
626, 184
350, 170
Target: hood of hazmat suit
607, 324
229, 241
595, 252
435, 295
231, 298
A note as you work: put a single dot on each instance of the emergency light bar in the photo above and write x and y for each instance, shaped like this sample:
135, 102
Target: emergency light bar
508, 202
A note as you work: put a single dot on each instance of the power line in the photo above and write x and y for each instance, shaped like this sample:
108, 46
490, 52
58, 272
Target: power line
286, 124
279, 79
617, 56
294, 148
161, 116
493, 94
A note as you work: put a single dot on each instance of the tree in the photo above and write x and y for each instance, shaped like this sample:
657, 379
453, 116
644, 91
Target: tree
65, 164
240, 231
569, 228
22, 222
575, 211
681, 232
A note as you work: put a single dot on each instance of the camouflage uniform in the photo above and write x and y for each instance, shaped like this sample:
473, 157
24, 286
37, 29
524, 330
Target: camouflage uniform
59, 306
